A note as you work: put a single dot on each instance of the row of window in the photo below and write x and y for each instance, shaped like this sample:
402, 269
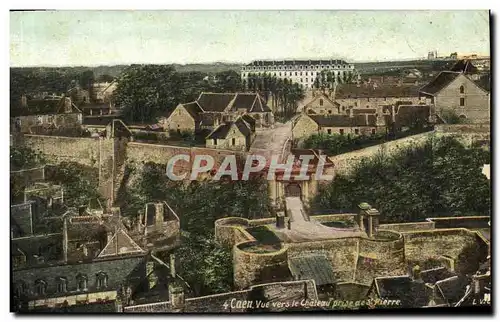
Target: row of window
233, 141
300, 67
356, 131
286, 74
62, 284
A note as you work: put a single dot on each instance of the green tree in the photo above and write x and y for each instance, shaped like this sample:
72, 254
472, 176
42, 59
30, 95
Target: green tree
22, 157
441, 177
145, 91
79, 183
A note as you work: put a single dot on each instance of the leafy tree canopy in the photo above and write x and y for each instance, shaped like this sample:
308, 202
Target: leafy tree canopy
439, 178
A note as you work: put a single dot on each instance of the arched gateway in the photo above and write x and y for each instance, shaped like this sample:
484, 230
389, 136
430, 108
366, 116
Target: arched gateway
293, 189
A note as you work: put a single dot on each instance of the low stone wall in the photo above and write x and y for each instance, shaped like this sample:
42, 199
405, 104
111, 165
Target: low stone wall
227, 302
462, 128
470, 222
408, 227
334, 217
344, 163
29, 176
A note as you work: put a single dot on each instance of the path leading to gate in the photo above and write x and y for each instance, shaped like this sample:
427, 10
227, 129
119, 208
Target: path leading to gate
303, 229
272, 140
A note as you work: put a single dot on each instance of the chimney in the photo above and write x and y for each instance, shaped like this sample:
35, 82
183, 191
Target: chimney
280, 220
416, 274
65, 239
109, 235
159, 209
24, 101
50, 202
172, 265
67, 104
476, 285
176, 293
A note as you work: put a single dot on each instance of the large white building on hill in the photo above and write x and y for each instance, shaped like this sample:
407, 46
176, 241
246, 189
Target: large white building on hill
303, 72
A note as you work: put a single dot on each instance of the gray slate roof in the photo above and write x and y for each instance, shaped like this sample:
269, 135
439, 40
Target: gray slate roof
315, 267
440, 82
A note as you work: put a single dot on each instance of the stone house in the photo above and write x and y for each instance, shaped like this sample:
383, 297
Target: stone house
237, 135
360, 124
212, 109
59, 112
455, 92
78, 95
373, 95
322, 104
103, 92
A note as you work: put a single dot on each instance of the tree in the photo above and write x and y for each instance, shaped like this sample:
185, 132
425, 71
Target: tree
145, 91
206, 266
86, 79
439, 178
79, 183
105, 78
228, 82
22, 157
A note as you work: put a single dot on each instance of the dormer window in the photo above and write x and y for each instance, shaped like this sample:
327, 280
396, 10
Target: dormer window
62, 285
101, 280
20, 288
40, 287
462, 89
81, 282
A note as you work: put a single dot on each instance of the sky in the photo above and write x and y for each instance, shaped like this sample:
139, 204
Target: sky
91, 38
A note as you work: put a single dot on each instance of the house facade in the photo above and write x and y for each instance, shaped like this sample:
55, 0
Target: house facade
322, 104
45, 113
455, 93
362, 124
237, 135
373, 95
212, 109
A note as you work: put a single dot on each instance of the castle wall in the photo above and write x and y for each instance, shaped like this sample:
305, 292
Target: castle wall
426, 244
378, 257
250, 267
65, 149
231, 231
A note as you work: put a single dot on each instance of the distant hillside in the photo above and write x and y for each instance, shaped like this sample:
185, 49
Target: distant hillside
386, 66
116, 70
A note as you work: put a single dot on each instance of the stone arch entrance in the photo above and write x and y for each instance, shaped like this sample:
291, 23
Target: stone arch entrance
293, 189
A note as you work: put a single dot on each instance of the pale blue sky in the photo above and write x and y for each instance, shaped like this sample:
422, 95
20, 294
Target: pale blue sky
124, 37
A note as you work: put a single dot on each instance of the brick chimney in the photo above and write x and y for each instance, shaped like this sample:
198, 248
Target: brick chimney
176, 294
24, 101
172, 266
67, 104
